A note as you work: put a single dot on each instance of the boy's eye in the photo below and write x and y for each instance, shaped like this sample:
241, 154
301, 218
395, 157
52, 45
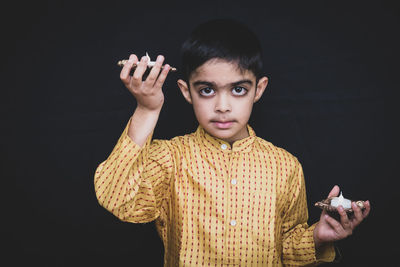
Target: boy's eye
238, 90
206, 91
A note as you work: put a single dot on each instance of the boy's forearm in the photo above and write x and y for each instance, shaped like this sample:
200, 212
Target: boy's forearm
142, 124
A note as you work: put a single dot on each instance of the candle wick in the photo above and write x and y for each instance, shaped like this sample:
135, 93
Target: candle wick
148, 57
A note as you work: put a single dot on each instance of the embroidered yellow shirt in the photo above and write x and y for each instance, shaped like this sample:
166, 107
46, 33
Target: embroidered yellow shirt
214, 204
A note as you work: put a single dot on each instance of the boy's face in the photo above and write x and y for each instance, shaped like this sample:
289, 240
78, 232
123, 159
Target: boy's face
222, 97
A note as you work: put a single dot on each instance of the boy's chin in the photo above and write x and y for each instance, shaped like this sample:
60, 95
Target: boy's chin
228, 135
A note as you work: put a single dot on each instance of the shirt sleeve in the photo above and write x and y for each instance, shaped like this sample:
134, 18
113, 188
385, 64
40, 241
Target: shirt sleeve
298, 239
133, 181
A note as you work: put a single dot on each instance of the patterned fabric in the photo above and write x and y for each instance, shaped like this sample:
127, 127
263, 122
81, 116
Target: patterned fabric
214, 204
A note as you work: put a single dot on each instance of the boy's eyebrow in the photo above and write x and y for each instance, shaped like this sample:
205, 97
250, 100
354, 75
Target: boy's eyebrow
196, 83
242, 81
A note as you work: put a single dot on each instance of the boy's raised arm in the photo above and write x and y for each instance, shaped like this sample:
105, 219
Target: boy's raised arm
148, 94
130, 183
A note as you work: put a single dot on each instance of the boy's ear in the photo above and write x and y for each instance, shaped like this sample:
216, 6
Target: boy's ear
262, 84
185, 90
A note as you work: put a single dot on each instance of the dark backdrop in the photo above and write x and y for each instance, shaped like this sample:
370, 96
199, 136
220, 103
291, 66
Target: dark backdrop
332, 67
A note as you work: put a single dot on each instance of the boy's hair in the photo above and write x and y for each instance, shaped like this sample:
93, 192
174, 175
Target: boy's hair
225, 39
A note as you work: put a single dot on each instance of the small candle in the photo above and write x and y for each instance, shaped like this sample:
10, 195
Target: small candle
345, 203
150, 63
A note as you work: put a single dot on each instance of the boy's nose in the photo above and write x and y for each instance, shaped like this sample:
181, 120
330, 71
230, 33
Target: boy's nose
222, 104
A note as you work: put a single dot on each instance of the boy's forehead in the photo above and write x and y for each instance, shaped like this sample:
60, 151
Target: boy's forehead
221, 72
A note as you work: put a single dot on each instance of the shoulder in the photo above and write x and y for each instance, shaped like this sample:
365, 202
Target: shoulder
173, 145
279, 154
285, 164
180, 140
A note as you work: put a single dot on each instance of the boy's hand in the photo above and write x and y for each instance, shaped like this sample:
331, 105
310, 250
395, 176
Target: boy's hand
148, 93
328, 229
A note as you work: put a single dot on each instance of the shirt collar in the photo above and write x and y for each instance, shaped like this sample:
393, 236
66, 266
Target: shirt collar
213, 143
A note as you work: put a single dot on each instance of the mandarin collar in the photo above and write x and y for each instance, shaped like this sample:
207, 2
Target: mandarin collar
216, 144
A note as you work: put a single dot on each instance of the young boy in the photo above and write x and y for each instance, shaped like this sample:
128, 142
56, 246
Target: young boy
221, 195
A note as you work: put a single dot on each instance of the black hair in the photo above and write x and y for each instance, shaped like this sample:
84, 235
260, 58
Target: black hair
225, 39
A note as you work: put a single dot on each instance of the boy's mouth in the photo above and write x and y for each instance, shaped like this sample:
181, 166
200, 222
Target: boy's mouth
223, 124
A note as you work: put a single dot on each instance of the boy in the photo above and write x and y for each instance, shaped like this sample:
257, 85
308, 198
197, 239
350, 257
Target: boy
220, 196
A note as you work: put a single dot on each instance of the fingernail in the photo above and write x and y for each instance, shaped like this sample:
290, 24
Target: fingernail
159, 57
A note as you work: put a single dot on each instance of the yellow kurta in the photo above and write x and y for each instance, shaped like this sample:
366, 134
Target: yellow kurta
214, 204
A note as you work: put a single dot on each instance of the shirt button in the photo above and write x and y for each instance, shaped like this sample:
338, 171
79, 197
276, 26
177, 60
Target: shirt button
233, 222
233, 181
224, 146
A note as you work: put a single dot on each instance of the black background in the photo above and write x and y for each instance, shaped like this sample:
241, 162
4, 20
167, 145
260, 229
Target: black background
333, 69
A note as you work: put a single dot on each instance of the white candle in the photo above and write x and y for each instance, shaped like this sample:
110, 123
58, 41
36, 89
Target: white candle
345, 203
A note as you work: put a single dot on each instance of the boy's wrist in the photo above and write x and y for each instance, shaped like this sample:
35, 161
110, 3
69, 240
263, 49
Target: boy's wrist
146, 111
318, 243
143, 122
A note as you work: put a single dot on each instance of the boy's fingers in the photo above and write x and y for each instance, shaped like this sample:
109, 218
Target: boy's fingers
163, 75
124, 75
155, 70
367, 209
344, 219
334, 224
139, 71
334, 192
357, 214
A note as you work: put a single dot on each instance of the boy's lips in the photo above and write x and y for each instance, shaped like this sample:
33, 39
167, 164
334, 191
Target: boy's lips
223, 124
